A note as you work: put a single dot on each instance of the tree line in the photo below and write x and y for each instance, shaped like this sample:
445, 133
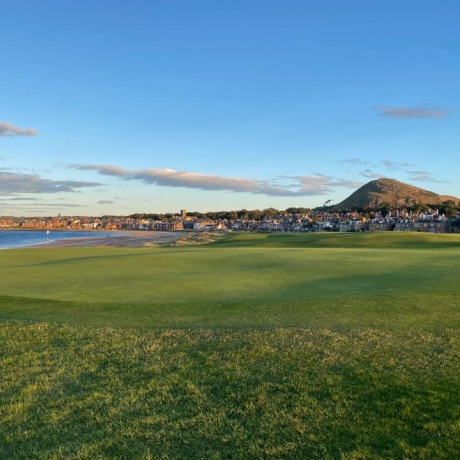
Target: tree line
448, 208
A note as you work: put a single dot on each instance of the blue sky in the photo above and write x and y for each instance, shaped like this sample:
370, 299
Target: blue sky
110, 107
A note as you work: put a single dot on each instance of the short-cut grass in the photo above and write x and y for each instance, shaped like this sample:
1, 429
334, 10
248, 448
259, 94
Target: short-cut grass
257, 346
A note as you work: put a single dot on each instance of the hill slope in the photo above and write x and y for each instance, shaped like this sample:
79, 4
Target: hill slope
391, 191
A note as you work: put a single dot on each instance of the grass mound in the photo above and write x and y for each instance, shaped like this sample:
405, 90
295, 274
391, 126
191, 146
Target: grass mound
355, 240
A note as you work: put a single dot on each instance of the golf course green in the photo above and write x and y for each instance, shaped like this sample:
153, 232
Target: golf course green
284, 346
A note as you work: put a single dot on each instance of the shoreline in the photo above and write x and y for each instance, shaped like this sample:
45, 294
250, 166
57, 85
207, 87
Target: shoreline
114, 238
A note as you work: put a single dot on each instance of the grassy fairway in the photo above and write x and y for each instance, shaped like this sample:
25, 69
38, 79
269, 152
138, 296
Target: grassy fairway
321, 346
263, 281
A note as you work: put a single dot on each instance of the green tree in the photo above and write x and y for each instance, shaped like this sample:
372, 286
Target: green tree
385, 209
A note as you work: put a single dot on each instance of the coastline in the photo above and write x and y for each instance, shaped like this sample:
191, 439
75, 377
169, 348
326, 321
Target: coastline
119, 239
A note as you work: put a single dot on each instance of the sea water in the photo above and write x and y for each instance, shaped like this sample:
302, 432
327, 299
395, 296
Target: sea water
20, 238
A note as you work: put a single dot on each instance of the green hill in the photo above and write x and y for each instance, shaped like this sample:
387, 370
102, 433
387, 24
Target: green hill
391, 191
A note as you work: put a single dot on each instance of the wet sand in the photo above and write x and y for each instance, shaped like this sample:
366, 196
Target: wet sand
131, 239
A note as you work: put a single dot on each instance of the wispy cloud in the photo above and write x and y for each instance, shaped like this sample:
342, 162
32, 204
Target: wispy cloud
355, 161
105, 202
423, 176
278, 186
34, 202
336, 182
9, 130
370, 174
39, 208
400, 168
32, 183
22, 198
395, 165
31, 206
412, 112
173, 178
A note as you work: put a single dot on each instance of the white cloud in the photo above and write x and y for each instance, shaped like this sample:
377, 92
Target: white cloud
32, 183
288, 186
355, 161
9, 130
370, 174
22, 198
395, 165
411, 112
423, 176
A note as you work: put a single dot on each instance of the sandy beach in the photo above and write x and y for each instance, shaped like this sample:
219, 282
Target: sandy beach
131, 239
